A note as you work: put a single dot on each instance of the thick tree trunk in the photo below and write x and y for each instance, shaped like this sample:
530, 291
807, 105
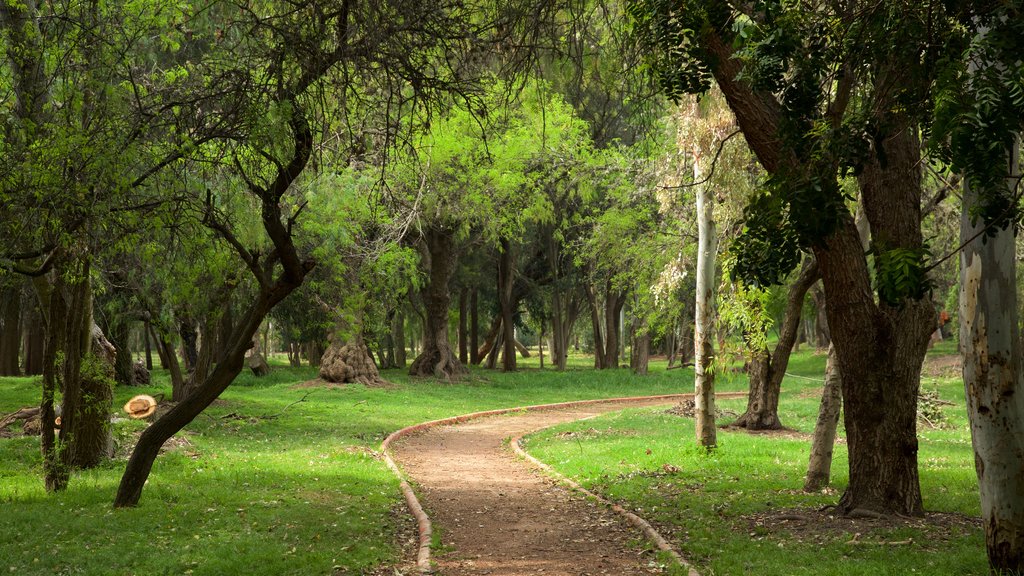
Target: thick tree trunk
613, 303
505, 282
84, 376
704, 353
124, 370
437, 358
474, 328
189, 343
767, 370
641, 353
880, 347
463, 321
993, 380
819, 467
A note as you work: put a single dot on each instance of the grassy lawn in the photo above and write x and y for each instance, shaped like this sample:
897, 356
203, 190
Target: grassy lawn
268, 484
259, 485
741, 510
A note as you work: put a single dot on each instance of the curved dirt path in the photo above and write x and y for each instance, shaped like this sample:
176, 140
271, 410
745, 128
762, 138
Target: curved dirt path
499, 516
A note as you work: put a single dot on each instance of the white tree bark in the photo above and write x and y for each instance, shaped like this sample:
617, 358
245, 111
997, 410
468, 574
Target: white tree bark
990, 343
704, 351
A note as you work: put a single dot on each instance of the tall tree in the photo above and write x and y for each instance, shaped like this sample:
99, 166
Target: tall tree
815, 106
979, 118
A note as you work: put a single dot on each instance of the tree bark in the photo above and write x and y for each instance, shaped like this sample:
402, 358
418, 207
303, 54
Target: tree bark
704, 353
10, 330
474, 328
819, 467
641, 353
436, 358
120, 332
505, 281
35, 342
993, 381
767, 370
398, 336
595, 321
189, 343
613, 303
463, 343
146, 330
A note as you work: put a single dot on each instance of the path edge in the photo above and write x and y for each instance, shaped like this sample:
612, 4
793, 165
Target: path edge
423, 523
636, 520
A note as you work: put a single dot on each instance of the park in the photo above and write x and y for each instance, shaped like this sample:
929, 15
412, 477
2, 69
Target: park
474, 287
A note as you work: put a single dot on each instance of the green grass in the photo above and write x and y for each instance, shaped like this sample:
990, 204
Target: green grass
649, 460
266, 485
300, 492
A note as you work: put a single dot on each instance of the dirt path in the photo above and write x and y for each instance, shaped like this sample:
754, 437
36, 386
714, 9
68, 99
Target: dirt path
498, 516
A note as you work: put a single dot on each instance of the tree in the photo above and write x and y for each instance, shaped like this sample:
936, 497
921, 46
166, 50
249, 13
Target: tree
260, 75
814, 106
978, 122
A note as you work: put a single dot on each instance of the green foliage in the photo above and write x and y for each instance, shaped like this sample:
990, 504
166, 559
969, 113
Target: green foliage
900, 274
978, 111
768, 248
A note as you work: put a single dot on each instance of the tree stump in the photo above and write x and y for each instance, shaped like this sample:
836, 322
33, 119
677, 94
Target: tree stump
258, 364
350, 363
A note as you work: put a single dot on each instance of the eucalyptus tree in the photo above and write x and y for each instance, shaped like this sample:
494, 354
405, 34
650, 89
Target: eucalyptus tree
979, 117
820, 94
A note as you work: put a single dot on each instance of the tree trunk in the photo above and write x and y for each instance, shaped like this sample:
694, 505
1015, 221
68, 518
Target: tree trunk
149, 347
178, 387
540, 343
641, 353
84, 376
767, 370
505, 281
880, 347
474, 328
161, 351
822, 337
10, 330
704, 353
819, 467
595, 321
437, 358
398, 336
189, 343
993, 382
124, 371
463, 343
613, 303
491, 339
35, 342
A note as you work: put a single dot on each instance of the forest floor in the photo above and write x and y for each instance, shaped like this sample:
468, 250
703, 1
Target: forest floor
500, 516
